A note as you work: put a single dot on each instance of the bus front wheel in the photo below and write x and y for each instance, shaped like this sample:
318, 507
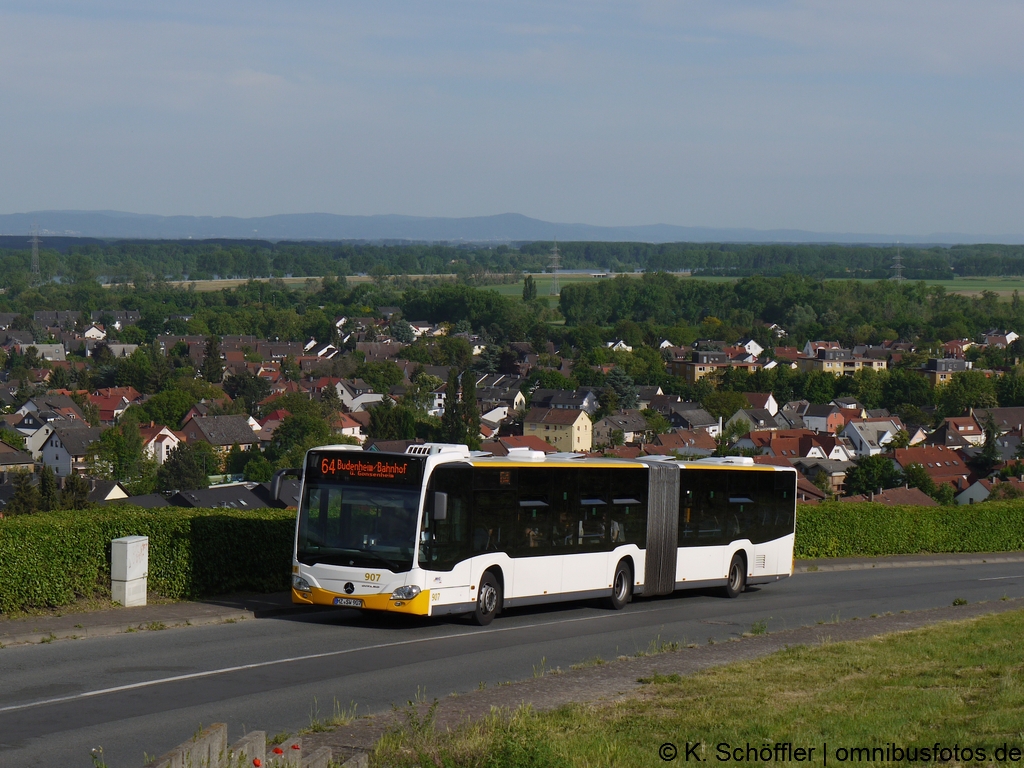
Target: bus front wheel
622, 586
488, 600
737, 576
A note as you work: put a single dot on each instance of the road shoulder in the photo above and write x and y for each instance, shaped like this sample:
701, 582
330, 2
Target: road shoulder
618, 679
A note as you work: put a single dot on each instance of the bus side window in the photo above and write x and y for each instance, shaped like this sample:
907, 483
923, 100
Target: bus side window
534, 518
712, 507
687, 531
493, 515
628, 513
785, 493
593, 529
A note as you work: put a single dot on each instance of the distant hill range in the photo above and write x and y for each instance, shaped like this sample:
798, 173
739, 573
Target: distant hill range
503, 228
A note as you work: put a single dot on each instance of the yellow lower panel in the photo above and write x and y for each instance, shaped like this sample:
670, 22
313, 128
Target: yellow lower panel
418, 606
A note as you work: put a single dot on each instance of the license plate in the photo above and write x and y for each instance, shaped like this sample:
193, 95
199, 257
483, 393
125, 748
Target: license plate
348, 602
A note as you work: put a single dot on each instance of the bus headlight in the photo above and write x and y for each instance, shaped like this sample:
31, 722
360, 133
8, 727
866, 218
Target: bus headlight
300, 584
407, 592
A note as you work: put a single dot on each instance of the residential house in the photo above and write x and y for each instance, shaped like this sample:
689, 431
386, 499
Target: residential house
943, 465
839, 362
940, 371
57, 319
1000, 339
870, 437
567, 430
751, 346
630, 423
234, 496
834, 472
763, 400
221, 432
500, 446
892, 497
1006, 419
12, 459
681, 417
980, 490
583, 399
645, 394
66, 448
158, 441
684, 442
119, 318
756, 418
823, 418
343, 424
51, 352
60, 404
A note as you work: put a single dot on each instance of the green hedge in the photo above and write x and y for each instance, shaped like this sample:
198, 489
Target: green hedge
846, 529
52, 558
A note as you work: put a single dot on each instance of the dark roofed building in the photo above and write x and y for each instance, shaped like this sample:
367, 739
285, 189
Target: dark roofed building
221, 432
239, 496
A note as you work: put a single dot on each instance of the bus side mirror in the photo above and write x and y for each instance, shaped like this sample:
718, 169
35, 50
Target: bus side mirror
440, 505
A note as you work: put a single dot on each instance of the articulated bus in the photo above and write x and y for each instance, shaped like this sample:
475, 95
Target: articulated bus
442, 530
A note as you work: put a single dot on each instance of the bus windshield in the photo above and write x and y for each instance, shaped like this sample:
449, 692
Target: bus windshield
364, 526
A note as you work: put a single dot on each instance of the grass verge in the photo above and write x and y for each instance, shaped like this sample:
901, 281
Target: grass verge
958, 684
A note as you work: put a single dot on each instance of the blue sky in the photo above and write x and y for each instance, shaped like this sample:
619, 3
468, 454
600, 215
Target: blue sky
840, 116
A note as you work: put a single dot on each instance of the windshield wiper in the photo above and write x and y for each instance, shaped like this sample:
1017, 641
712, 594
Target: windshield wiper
389, 563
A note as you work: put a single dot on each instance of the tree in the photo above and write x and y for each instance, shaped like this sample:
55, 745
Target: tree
915, 476
624, 387
249, 388
118, 455
872, 473
967, 389
656, 423
389, 421
330, 400
402, 332
236, 460
49, 496
187, 467
381, 376
76, 493
469, 411
724, 404
453, 428
213, 368
258, 469
25, 500
299, 429
990, 455
900, 440
529, 288
729, 434
167, 408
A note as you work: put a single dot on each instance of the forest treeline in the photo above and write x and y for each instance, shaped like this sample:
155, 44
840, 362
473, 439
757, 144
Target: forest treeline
71, 260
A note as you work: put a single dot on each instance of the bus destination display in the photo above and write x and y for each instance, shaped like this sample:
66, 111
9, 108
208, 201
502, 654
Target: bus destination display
347, 467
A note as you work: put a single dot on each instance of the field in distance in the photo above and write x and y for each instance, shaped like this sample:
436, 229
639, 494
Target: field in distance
967, 286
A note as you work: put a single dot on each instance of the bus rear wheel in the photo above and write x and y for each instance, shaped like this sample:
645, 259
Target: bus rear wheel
622, 586
488, 600
737, 579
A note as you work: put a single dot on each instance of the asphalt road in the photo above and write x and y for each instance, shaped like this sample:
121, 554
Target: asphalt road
146, 692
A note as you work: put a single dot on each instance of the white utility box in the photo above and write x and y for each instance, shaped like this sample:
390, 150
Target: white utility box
129, 568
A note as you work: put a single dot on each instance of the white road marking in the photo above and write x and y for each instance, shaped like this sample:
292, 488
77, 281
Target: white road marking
292, 659
1000, 578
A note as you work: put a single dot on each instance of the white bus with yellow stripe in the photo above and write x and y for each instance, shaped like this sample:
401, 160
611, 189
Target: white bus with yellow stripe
441, 530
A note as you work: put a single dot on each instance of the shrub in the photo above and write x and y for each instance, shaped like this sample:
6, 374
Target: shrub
845, 529
50, 559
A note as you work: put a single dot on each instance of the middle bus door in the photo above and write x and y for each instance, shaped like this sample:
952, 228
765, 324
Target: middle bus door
542, 530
